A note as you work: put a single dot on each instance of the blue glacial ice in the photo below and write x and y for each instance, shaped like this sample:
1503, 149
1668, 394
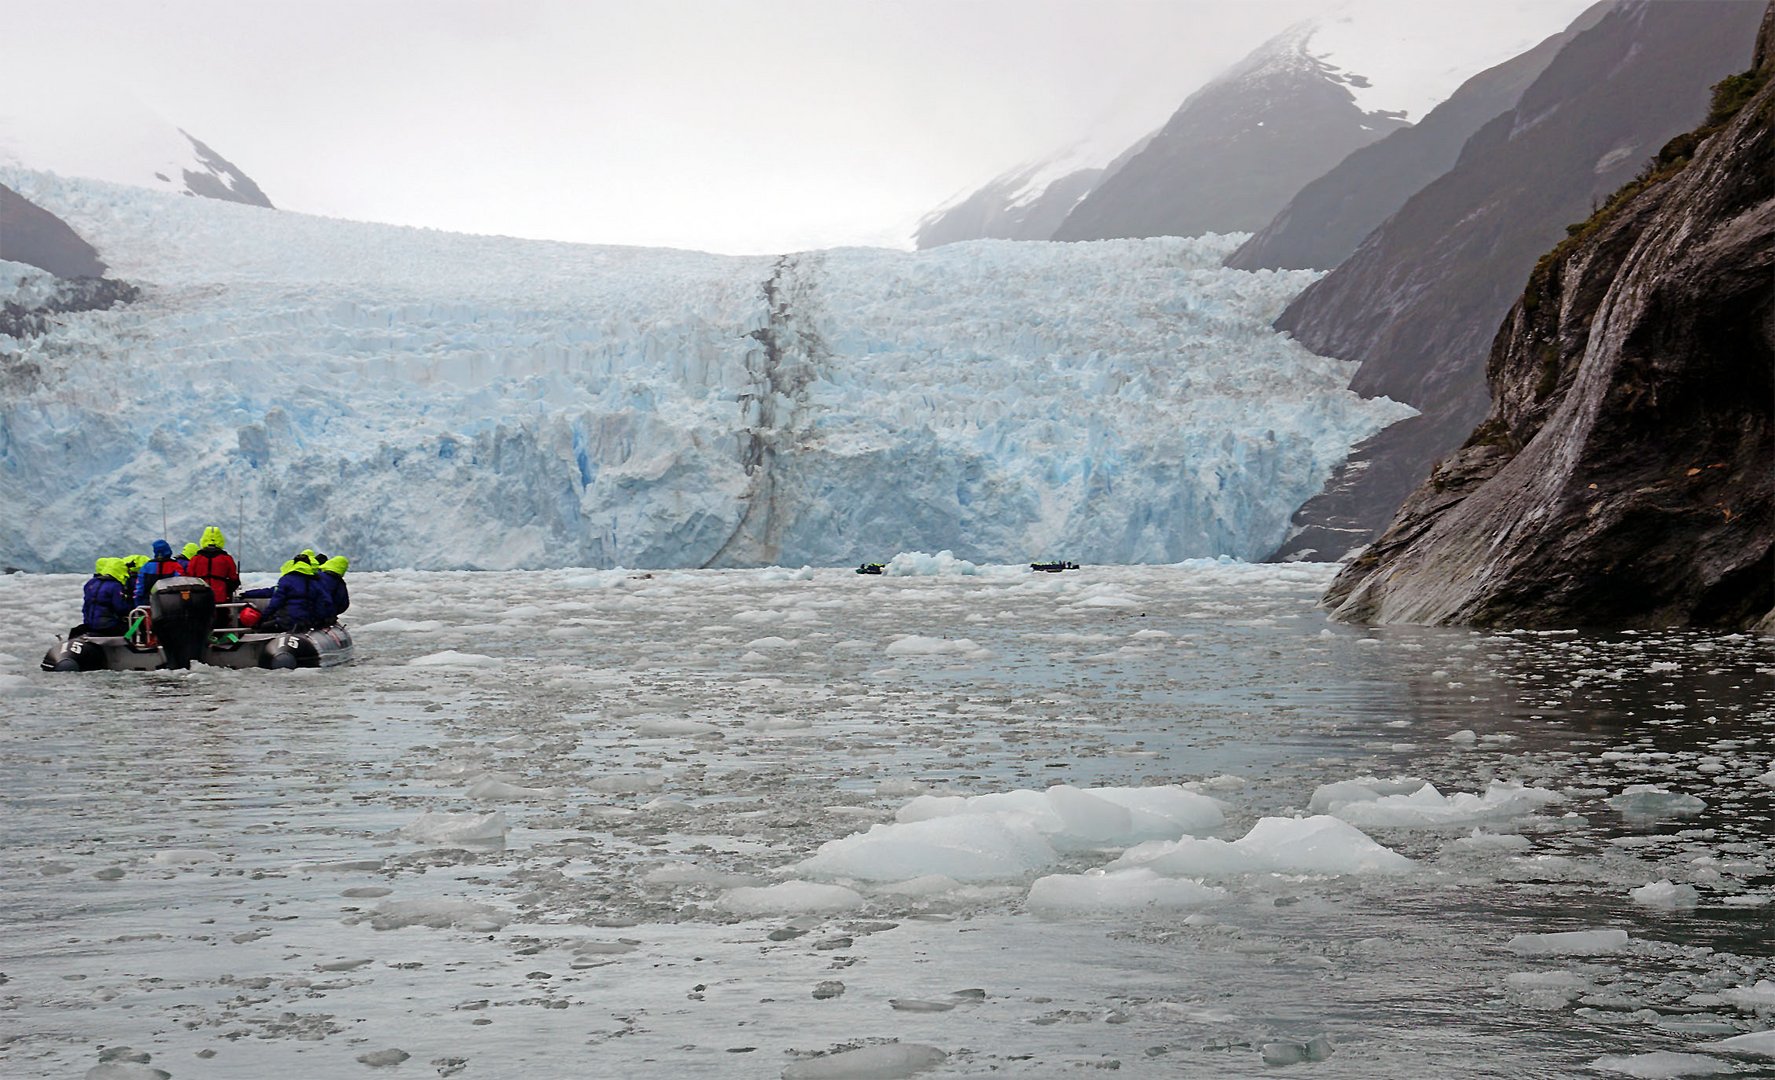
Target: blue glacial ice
425, 399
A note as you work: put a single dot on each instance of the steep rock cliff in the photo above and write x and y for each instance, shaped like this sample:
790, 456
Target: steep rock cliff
1625, 476
1420, 300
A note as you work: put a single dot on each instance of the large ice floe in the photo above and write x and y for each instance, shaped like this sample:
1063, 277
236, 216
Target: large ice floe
425, 399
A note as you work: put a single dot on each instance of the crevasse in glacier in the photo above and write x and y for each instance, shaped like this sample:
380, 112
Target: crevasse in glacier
435, 400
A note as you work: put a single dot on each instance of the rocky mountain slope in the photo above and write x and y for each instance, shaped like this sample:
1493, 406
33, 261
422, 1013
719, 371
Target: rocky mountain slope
1322, 224
1623, 477
32, 235
1236, 151
1420, 300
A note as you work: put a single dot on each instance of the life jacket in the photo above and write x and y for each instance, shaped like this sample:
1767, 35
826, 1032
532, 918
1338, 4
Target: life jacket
151, 573
216, 567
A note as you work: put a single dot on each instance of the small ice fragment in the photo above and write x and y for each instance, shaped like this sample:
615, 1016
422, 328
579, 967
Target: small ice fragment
438, 915
1757, 1043
381, 1058
436, 827
625, 783
1751, 998
1650, 802
831, 988
1665, 894
1570, 943
1464, 737
489, 788
885, 1061
1663, 1064
126, 1070
452, 658
790, 897
1133, 889
184, 857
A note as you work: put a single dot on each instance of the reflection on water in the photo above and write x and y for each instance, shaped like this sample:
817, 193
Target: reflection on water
196, 864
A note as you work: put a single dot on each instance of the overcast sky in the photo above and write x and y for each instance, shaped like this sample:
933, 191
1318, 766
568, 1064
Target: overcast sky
727, 125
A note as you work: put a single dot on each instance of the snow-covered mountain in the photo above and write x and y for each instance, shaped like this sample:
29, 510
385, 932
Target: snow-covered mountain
1241, 146
80, 127
412, 397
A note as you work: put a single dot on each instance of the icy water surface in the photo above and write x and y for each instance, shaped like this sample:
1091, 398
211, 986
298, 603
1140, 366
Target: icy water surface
561, 825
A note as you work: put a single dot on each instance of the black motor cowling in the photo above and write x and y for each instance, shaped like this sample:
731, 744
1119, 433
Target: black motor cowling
184, 612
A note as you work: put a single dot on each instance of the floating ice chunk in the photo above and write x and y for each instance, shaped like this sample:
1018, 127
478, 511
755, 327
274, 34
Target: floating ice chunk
126, 1070
920, 564
452, 658
1464, 737
1289, 1052
693, 874
18, 686
666, 726
1427, 807
402, 626
771, 642
1757, 1043
886, 1061
791, 898
1751, 998
1767, 778
438, 915
184, 857
920, 645
625, 783
1481, 840
925, 885
1665, 894
1131, 889
1085, 818
436, 827
490, 788
1313, 845
1545, 989
968, 848
1328, 797
1570, 943
1651, 802
1663, 1064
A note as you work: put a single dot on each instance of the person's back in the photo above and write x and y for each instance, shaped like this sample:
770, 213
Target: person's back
132, 573
330, 590
215, 565
292, 603
103, 609
163, 565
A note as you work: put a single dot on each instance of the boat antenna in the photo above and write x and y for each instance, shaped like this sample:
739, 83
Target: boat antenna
163, 515
240, 532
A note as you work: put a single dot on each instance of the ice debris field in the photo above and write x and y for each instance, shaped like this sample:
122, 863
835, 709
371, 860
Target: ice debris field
443, 401
952, 820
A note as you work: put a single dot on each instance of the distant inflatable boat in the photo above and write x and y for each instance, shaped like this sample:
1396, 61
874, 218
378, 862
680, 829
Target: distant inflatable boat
177, 628
1053, 567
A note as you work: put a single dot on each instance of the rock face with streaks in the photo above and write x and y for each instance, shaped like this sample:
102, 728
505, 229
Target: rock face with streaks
1419, 301
1626, 474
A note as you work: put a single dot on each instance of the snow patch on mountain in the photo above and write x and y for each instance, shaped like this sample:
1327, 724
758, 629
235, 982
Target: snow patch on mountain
419, 398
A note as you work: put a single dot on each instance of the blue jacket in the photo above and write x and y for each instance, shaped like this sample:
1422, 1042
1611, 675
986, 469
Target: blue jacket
331, 596
293, 599
104, 610
162, 566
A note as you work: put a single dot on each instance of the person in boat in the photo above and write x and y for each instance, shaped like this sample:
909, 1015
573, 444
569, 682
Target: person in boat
104, 611
292, 603
185, 556
331, 595
163, 565
212, 562
132, 568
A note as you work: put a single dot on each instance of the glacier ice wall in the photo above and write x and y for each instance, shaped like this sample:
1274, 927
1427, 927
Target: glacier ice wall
435, 400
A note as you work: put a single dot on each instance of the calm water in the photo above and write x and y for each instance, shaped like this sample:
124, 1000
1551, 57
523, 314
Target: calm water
209, 868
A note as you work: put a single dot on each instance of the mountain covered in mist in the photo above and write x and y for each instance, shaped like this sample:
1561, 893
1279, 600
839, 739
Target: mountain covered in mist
1420, 300
1327, 218
83, 128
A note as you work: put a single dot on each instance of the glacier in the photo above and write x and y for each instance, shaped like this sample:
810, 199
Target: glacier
430, 400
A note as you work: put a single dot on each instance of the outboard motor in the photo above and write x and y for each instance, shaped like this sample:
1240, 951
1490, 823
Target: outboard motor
184, 611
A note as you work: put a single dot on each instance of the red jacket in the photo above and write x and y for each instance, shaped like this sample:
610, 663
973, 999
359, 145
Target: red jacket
217, 567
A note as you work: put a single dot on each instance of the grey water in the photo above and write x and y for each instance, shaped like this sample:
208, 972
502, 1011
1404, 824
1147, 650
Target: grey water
215, 873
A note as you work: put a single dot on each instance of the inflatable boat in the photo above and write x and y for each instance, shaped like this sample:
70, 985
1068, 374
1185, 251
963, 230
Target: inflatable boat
177, 627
